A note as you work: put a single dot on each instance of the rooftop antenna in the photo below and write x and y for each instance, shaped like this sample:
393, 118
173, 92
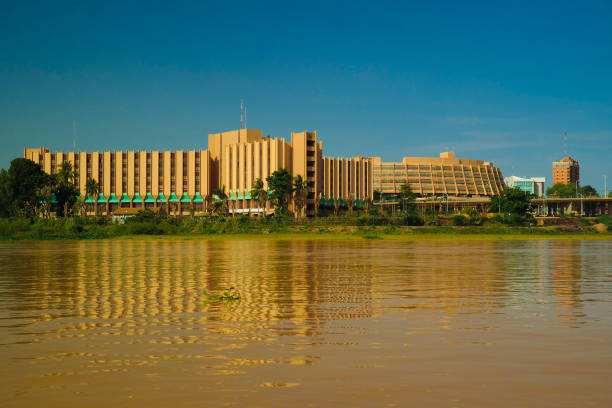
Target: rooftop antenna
565, 143
245, 118
241, 112
74, 136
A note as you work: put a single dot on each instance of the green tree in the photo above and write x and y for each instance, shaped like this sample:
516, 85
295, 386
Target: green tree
280, 183
64, 189
92, 189
25, 182
570, 190
511, 201
588, 191
259, 193
561, 190
6, 195
407, 198
301, 188
219, 206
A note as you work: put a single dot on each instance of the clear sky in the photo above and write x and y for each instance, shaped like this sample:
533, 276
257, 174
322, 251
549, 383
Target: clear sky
489, 81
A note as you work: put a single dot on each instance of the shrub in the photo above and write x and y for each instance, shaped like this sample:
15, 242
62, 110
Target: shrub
514, 219
604, 219
412, 219
460, 220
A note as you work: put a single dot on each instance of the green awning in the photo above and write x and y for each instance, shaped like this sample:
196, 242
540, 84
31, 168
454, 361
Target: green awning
149, 198
161, 198
137, 198
198, 198
216, 197
185, 198
247, 196
53, 199
78, 198
356, 203
330, 202
232, 196
125, 198
173, 198
89, 200
113, 199
239, 195
322, 200
101, 199
364, 202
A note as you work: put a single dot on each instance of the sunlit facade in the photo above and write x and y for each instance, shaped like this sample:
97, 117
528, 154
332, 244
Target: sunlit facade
437, 176
181, 180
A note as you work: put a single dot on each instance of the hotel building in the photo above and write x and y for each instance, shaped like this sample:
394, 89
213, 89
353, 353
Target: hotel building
182, 180
566, 171
437, 176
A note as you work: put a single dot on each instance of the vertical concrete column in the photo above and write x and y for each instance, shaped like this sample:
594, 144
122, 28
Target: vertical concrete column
234, 170
265, 161
242, 167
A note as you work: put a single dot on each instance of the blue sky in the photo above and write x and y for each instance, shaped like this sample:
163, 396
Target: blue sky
493, 82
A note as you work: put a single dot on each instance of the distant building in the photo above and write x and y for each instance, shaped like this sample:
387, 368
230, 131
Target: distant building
533, 185
566, 171
438, 176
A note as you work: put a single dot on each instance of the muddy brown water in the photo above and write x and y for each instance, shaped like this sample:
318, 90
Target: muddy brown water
320, 323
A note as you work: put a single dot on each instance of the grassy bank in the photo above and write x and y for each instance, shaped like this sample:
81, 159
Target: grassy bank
273, 228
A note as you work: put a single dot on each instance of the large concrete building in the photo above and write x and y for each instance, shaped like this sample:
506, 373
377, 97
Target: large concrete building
183, 179
233, 160
566, 171
437, 176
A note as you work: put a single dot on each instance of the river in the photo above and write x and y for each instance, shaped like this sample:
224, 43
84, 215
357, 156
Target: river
319, 323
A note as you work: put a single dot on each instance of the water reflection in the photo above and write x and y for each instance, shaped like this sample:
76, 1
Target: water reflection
136, 307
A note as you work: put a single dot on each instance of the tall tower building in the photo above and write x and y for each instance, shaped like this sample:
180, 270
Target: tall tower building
566, 171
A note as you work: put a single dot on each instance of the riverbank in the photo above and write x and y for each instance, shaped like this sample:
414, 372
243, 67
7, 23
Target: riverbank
244, 228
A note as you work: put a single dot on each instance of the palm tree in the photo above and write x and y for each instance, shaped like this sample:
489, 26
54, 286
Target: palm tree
92, 188
259, 192
301, 188
221, 205
65, 175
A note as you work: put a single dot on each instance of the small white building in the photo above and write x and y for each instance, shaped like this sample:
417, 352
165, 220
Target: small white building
533, 185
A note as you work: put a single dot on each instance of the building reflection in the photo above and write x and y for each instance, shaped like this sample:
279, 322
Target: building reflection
284, 285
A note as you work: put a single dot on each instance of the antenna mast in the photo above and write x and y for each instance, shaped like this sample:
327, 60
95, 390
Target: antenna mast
241, 112
74, 136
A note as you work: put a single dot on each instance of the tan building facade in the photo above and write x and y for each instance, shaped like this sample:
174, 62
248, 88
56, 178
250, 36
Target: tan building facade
566, 171
444, 175
182, 180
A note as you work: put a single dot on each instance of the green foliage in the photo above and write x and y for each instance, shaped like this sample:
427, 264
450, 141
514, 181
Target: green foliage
280, 183
7, 206
412, 220
511, 201
460, 220
21, 188
227, 295
301, 187
605, 219
569, 190
407, 198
